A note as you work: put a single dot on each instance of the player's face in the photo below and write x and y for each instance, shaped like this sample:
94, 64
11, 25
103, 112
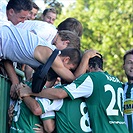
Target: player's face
15, 17
59, 43
32, 14
49, 17
128, 66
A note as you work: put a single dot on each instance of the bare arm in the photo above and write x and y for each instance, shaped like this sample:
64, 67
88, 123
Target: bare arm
11, 71
12, 76
50, 93
43, 53
48, 126
84, 62
33, 105
62, 71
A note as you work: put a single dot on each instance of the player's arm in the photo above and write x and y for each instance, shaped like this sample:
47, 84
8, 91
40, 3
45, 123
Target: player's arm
33, 105
83, 66
49, 125
62, 71
12, 76
50, 93
43, 53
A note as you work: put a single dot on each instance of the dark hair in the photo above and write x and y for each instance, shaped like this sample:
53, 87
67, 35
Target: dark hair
74, 40
53, 10
18, 5
75, 58
127, 53
71, 24
35, 6
73, 53
96, 62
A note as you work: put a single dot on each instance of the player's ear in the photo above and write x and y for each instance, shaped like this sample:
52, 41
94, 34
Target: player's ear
11, 12
66, 59
66, 42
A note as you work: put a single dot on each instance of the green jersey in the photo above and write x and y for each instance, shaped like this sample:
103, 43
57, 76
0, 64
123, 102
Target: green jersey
24, 120
72, 117
103, 94
128, 106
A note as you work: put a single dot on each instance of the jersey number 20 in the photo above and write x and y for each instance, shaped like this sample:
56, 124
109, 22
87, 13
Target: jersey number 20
119, 96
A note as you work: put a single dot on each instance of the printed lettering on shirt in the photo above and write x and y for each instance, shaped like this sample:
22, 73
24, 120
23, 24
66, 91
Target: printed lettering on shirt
128, 106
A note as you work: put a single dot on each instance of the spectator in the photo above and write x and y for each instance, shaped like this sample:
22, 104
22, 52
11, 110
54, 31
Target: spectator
48, 32
17, 10
49, 15
30, 50
128, 89
33, 13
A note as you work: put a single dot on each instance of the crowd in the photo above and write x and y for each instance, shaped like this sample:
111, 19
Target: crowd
78, 96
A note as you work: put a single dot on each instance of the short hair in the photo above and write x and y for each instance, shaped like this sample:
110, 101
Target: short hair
71, 24
96, 62
127, 53
75, 58
18, 5
74, 40
35, 6
53, 10
74, 54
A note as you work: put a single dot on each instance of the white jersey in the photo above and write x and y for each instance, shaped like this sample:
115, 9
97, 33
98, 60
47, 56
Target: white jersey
42, 29
50, 105
18, 45
3, 5
3, 16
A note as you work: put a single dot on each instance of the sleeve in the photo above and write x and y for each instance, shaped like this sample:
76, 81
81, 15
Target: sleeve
48, 115
45, 31
49, 105
81, 87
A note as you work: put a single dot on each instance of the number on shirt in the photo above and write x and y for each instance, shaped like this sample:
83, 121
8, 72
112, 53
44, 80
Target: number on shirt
110, 109
84, 121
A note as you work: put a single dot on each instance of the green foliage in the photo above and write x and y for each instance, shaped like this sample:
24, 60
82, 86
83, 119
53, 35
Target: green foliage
108, 27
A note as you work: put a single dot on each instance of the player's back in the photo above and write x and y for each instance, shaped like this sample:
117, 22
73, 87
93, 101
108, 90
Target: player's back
105, 104
73, 117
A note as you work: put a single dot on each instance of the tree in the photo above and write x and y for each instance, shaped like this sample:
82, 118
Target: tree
108, 27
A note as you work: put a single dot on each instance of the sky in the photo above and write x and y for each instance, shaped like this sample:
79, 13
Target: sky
41, 5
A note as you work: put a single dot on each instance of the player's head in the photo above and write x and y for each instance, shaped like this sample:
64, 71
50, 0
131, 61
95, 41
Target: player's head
49, 15
33, 13
71, 24
96, 63
128, 64
18, 10
65, 38
71, 58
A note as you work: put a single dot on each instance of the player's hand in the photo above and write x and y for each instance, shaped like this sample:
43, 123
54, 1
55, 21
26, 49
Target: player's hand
90, 53
13, 93
23, 90
39, 129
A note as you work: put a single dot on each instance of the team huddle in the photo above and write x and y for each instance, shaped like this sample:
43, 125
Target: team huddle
78, 96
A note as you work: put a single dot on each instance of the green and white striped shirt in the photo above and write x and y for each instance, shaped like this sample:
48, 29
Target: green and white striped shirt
128, 106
